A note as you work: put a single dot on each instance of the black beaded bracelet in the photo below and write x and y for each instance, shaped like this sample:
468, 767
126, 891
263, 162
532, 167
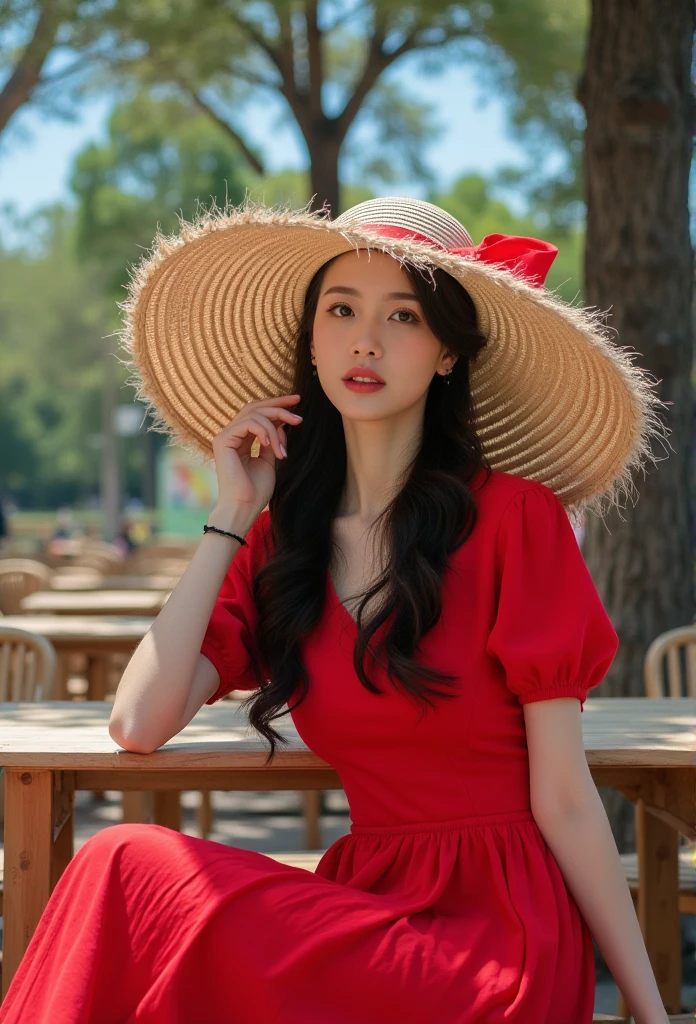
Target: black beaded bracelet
225, 533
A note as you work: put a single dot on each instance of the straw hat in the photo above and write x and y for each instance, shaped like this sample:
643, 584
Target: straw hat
212, 312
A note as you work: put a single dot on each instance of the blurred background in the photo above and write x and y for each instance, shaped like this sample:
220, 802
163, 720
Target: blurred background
118, 117
570, 120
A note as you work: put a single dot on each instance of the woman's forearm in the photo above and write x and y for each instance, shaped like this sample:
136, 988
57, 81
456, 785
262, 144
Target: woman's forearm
153, 691
582, 843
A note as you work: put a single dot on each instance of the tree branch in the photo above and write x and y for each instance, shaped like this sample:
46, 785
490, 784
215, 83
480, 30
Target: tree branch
286, 55
343, 18
252, 78
25, 77
315, 59
258, 37
252, 159
378, 60
281, 55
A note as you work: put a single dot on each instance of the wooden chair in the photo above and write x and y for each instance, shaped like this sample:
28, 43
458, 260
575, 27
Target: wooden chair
18, 578
27, 665
100, 555
27, 673
671, 660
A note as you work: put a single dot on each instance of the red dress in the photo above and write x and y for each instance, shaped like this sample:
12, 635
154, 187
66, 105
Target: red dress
443, 903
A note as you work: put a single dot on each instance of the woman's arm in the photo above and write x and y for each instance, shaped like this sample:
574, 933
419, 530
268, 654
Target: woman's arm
574, 824
167, 674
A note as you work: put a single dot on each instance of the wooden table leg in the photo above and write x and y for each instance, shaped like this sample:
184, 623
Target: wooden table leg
311, 799
97, 676
205, 814
60, 683
97, 683
167, 808
136, 807
39, 809
658, 902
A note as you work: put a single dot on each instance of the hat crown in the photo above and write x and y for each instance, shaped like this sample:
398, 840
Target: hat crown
412, 215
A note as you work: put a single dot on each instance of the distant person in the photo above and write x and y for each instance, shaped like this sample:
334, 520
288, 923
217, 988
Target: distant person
65, 524
124, 539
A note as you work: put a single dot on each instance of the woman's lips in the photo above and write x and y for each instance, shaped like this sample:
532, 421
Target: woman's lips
362, 386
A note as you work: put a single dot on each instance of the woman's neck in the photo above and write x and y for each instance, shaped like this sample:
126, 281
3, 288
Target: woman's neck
379, 453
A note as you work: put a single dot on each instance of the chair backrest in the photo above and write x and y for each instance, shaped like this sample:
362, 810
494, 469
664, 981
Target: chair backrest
676, 648
100, 555
18, 578
27, 665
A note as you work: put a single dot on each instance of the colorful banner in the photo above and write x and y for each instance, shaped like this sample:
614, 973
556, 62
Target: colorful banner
186, 492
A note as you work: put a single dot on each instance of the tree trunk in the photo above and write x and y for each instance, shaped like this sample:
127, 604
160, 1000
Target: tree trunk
323, 155
636, 91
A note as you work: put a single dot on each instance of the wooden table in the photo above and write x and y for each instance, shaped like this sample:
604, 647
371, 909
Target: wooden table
76, 581
93, 635
95, 602
645, 748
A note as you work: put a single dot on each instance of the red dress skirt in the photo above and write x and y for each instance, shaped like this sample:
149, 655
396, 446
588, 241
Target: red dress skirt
443, 903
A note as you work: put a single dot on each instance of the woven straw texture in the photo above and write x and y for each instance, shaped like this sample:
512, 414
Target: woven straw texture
212, 313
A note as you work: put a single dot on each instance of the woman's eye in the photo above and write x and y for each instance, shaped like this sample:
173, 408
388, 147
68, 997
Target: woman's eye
399, 312
408, 313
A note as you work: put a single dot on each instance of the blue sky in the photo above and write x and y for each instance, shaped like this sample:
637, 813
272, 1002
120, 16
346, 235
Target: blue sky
36, 153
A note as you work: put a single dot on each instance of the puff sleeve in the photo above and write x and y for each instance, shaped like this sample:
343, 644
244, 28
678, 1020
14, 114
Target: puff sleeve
229, 641
551, 633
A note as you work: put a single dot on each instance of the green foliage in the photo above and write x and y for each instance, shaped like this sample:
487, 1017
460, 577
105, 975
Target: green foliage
49, 365
224, 55
162, 158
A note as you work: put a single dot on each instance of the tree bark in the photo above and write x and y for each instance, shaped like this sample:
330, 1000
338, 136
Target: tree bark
25, 77
636, 90
323, 156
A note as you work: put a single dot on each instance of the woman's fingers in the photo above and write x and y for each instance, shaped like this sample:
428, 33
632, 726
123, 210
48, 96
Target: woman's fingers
268, 434
259, 421
285, 415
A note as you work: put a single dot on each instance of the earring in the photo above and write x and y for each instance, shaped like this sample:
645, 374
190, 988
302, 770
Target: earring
314, 371
447, 380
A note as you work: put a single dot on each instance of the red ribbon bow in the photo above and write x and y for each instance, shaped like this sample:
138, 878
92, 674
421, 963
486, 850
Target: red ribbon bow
526, 257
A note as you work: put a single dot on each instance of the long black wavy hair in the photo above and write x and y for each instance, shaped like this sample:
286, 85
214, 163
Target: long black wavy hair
431, 515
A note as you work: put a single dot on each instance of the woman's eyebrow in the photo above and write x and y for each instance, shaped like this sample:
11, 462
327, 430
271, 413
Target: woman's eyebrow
353, 291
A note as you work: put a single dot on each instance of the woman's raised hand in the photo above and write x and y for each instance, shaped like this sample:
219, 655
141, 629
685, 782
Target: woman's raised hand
245, 485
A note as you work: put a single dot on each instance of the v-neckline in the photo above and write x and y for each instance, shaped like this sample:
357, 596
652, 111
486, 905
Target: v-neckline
336, 599
333, 594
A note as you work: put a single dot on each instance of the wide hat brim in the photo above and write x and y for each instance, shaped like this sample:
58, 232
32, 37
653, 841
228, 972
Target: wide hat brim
212, 313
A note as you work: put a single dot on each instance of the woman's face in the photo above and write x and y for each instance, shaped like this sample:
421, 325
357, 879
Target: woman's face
368, 316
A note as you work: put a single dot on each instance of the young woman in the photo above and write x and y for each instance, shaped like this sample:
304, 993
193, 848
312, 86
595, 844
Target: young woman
414, 593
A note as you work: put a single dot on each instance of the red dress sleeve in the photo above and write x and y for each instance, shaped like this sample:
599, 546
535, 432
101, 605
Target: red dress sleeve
552, 633
230, 638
